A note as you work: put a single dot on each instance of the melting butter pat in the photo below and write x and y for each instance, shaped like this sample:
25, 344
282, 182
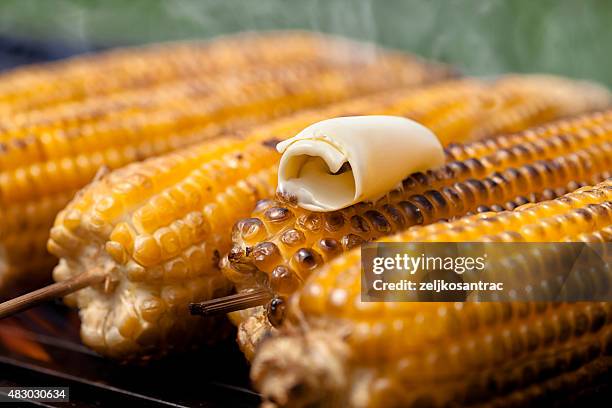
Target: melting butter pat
338, 162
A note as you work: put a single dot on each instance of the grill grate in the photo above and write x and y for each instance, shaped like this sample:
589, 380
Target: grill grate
40, 348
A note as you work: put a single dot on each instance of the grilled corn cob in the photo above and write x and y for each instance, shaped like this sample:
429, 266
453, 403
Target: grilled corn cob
336, 350
156, 229
125, 106
121, 70
279, 245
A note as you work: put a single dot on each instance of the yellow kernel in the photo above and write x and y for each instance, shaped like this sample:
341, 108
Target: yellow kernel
123, 234
117, 252
129, 326
146, 219
108, 208
135, 272
64, 238
168, 241
146, 251
72, 219
175, 270
198, 261
151, 308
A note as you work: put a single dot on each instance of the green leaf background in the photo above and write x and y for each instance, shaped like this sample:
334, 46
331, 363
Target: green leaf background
482, 37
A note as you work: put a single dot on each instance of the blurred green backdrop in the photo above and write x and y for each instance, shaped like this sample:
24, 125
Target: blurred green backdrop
572, 37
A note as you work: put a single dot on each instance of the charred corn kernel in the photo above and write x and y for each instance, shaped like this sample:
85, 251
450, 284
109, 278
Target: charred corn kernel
333, 347
66, 120
206, 188
574, 208
170, 234
282, 243
300, 240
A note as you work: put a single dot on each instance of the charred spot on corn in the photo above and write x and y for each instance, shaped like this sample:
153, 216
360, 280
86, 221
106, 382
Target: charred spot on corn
271, 143
500, 177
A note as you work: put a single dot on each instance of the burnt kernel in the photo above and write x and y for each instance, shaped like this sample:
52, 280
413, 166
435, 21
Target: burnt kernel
334, 221
573, 185
395, 215
453, 198
413, 214
453, 149
284, 280
433, 175
465, 191
276, 311
494, 189
516, 345
351, 241
533, 197
278, 214
378, 220
444, 173
584, 213
437, 199
236, 253
361, 206
548, 194
551, 168
499, 178
520, 151
287, 198
598, 318
510, 205
475, 166
581, 323
478, 187
459, 169
271, 143
20, 143
532, 174
312, 222
519, 179
521, 200
292, 237
564, 329
307, 259
265, 252
533, 340
420, 178
330, 246
249, 185
409, 183
423, 203
359, 224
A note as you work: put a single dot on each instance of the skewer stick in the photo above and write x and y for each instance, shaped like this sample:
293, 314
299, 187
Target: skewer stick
231, 303
50, 292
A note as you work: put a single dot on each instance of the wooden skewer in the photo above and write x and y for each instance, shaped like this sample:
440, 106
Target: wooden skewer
231, 303
50, 292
